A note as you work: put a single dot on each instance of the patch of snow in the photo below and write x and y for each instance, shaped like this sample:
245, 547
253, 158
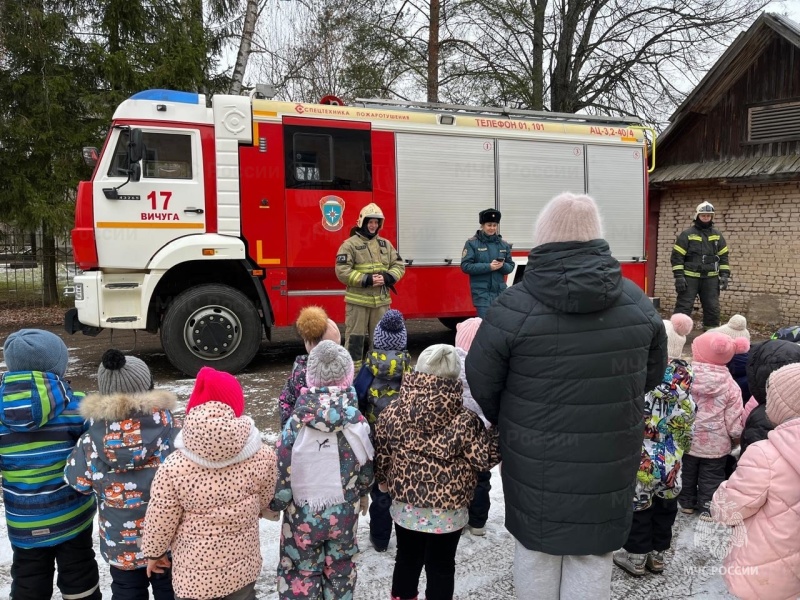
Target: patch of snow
483, 564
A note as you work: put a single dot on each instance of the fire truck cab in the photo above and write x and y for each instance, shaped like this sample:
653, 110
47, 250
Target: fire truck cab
211, 223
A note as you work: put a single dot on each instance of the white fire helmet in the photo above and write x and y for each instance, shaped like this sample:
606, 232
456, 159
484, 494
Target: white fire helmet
370, 211
704, 208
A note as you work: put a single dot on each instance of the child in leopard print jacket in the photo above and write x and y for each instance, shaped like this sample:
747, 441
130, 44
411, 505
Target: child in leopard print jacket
424, 437
313, 325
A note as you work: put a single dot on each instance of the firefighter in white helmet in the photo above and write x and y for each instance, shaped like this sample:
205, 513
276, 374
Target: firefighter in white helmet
700, 266
369, 266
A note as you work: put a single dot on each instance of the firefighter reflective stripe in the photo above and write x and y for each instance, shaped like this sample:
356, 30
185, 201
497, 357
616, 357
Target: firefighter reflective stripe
397, 271
369, 267
355, 278
700, 253
358, 257
370, 301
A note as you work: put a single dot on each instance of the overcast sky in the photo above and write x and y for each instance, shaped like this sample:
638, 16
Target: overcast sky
790, 7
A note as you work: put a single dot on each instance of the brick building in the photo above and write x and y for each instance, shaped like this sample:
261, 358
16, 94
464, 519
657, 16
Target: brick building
735, 141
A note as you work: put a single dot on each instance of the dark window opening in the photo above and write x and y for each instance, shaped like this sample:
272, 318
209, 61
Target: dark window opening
166, 156
326, 158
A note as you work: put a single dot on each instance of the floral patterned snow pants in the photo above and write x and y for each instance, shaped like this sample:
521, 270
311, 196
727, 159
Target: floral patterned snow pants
317, 550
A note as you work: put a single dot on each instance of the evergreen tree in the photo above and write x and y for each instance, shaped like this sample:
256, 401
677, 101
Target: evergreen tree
43, 122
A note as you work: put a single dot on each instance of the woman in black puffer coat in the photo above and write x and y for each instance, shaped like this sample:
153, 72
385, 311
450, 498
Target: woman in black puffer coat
764, 359
560, 365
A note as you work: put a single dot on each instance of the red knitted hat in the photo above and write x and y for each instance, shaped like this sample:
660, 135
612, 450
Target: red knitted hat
215, 386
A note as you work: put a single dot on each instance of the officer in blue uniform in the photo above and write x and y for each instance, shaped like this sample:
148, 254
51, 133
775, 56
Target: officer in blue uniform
487, 260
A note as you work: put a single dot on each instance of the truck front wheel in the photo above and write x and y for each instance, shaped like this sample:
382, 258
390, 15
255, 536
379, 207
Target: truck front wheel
211, 325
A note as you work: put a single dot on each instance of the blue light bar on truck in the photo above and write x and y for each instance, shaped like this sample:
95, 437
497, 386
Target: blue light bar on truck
168, 96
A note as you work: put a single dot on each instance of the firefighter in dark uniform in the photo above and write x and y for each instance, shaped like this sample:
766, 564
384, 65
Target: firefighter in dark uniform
487, 260
700, 266
369, 266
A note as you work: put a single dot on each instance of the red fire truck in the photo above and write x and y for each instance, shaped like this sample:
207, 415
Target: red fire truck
214, 222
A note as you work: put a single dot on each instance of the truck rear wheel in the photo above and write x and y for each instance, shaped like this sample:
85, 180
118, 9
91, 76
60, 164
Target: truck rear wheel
211, 325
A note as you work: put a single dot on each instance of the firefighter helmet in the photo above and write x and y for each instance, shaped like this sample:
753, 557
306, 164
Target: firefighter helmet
370, 211
704, 208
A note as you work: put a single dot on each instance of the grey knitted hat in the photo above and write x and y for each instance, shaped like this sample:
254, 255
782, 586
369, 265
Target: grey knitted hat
440, 360
120, 374
329, 364
35, 350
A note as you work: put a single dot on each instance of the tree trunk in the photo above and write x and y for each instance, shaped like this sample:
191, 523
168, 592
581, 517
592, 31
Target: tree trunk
433, 52
49, 280
539, 9
562, 96
246, 41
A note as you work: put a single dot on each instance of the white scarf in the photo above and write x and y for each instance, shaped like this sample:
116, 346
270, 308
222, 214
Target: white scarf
316, 467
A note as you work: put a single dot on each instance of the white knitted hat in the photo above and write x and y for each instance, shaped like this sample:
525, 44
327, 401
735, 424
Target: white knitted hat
736, 327
678, 326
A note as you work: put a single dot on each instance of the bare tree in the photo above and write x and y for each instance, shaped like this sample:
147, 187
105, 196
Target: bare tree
627, 57
251, 14
434, 21
323, 47
611, 56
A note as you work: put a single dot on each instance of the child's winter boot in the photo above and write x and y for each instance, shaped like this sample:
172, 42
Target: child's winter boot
632, 563
655, 561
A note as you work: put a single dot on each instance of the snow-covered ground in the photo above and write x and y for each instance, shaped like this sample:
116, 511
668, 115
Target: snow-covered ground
483, 570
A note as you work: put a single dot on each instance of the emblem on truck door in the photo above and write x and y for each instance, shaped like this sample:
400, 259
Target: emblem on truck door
332, 208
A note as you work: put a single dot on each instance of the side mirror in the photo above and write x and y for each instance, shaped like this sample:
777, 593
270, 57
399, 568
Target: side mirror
135, 147
90, 156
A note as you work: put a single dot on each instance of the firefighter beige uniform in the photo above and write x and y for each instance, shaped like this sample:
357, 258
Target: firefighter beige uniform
357, 260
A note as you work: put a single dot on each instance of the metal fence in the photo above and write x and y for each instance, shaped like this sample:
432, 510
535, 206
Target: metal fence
22, 264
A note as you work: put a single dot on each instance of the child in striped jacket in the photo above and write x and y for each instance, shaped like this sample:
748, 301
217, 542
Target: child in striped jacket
48, 522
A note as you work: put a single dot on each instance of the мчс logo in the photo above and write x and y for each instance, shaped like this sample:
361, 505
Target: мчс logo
332, 208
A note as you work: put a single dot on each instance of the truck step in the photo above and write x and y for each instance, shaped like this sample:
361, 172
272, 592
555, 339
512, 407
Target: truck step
122, 286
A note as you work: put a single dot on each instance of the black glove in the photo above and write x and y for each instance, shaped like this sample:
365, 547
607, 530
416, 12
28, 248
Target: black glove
723, 284
680, 284
388, 280
367, 281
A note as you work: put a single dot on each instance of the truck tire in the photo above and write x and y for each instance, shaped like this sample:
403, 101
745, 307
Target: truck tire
211, 325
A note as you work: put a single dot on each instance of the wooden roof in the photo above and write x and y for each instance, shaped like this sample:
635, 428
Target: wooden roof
766, 168
733, 63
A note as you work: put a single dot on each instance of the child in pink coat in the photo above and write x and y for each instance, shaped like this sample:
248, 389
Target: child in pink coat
207, 497
762, 501
719, 414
